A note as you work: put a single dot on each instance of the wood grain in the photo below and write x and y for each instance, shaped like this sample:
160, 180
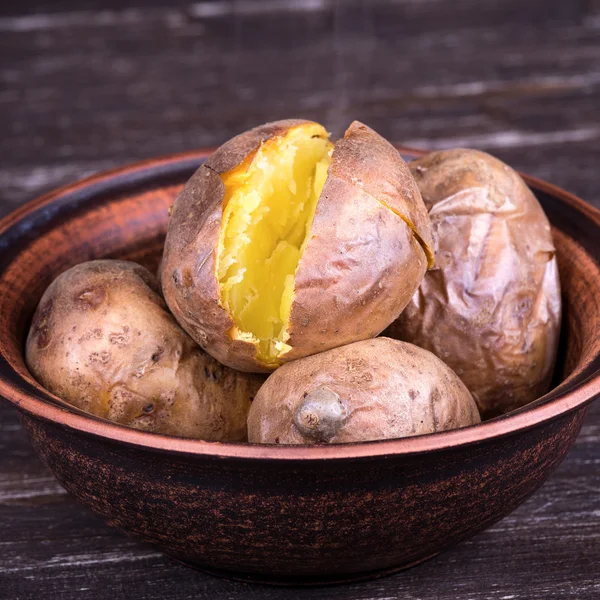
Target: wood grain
89, 89
82, 90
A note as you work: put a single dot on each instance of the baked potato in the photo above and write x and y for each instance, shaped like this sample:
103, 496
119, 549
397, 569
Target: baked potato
283, 244
102, 340
370, 390
491, 306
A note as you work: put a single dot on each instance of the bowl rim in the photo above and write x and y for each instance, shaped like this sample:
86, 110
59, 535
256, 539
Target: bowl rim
522, 419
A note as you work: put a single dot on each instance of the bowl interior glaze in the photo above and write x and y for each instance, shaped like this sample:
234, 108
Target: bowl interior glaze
124, 214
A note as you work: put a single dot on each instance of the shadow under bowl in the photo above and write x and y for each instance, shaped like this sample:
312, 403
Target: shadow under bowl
282, 514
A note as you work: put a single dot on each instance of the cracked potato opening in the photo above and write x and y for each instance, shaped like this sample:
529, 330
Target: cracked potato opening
269, 209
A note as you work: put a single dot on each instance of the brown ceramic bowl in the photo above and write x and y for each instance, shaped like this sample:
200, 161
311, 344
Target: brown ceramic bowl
282, 514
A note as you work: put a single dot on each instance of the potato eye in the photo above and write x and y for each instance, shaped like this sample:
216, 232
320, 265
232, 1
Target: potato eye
320, 415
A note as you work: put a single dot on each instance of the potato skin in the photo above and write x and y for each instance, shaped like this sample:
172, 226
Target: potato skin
362, 262
370, 390
102, 340
491, 306
356, 224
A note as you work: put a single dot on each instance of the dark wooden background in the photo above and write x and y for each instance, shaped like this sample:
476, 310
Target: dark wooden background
86, 86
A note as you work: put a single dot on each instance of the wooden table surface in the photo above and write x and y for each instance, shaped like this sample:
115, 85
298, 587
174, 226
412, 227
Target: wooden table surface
85, 89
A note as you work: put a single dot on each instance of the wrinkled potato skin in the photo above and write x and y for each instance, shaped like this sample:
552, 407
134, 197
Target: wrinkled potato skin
355, 223
103, 341
491, 306
387, 388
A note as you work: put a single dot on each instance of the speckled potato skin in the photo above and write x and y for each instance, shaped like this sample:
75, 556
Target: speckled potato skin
384, 388
368, 250
102, 340
491, 306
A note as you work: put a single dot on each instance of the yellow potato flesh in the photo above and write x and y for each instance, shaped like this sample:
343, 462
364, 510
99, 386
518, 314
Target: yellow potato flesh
269, 208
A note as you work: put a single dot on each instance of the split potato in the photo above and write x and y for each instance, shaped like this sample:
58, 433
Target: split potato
283, 244
491, 306
102, 340
370, 390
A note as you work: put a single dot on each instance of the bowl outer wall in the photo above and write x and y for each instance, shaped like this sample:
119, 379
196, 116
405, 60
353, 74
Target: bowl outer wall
303, 522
